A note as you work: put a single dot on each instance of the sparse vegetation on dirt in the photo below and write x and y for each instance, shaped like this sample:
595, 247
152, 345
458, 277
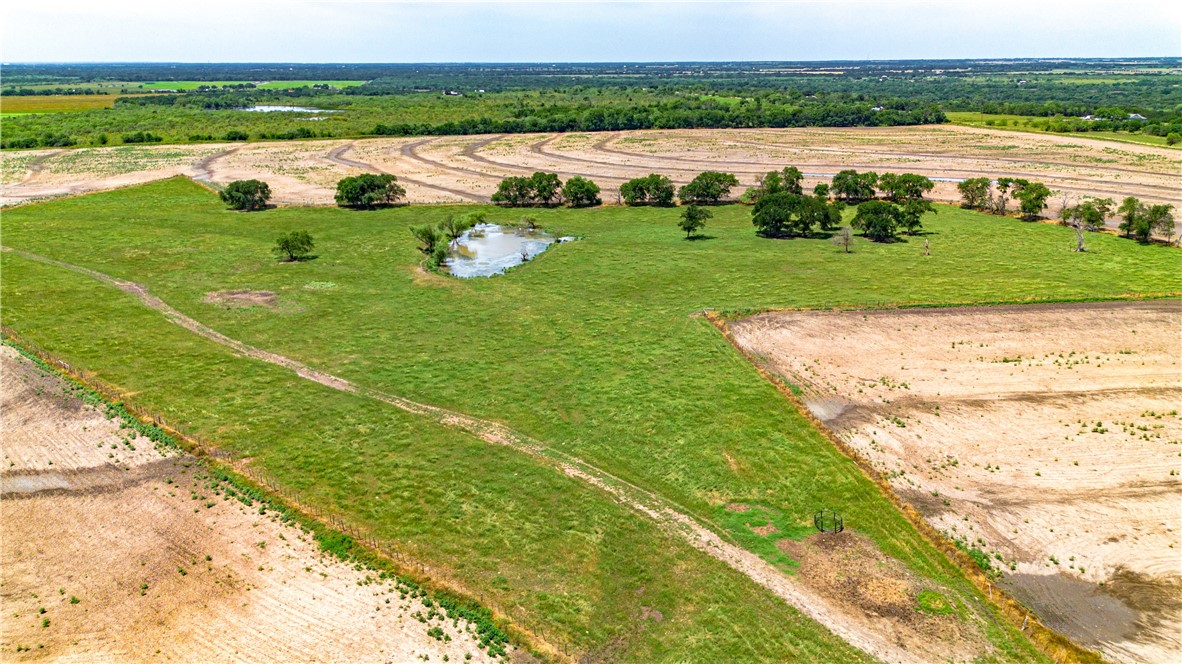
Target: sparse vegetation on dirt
1053, 493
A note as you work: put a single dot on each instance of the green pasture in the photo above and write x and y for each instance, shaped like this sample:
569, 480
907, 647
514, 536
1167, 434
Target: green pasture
1036, 124
594, 348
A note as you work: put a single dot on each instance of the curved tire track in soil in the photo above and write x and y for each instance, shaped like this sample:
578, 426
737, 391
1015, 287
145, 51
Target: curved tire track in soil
471, 152
336, 155
36, 165
859, 631
410, 151
204, 167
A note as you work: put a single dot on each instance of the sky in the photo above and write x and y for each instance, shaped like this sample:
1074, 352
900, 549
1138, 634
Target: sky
564, 31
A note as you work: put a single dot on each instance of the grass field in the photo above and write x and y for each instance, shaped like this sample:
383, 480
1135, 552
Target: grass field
1030, 123
592, 348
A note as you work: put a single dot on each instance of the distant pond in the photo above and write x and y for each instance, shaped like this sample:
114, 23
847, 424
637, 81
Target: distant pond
490, 249
264, 108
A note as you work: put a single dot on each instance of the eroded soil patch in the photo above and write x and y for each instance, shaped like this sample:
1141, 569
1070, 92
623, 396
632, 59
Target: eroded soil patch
851, 570
1046, 438
243, 299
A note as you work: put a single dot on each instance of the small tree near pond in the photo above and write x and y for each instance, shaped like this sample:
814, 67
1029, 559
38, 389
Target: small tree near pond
581, 192
294, 246
246, 195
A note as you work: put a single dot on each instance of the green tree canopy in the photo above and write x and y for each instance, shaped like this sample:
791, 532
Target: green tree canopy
1033, 196
693, 219
294, 246
853, 186
878, 220
904, 186
974, 193
369, 190
246, 195
545, 188
581, 192
789, 215
708, 188
513, 191
652, 189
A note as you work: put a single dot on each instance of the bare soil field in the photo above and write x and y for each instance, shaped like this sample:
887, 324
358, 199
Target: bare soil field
1048, 437
468, 168
114, 551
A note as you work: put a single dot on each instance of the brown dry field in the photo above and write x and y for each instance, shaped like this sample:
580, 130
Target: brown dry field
468, 168
1049, 436
85, 514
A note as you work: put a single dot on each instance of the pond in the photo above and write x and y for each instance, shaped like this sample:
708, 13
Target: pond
490, 249
264, 108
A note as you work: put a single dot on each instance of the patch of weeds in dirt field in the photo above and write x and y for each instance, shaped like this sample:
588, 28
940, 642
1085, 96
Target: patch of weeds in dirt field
758, 528
933, 602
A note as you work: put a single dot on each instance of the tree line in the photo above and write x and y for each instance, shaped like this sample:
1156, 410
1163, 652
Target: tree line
887, 205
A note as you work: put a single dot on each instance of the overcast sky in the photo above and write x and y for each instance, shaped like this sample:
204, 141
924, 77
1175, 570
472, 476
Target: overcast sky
560, 31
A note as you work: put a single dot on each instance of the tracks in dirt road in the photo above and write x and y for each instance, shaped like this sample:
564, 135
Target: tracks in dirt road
204, 171
861, 633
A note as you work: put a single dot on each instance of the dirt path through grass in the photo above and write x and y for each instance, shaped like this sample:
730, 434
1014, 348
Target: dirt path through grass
870, 633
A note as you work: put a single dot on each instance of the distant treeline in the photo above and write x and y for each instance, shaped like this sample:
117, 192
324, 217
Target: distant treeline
681, 114
51, 92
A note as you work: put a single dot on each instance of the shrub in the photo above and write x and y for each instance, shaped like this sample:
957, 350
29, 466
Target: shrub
142, 137
581, 192
246, 195
235, 135
653, 189
1173, 138
708, 188
369, 190
537, 189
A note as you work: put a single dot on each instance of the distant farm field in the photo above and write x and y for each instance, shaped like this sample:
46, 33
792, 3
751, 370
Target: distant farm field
596, 353
54, 103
